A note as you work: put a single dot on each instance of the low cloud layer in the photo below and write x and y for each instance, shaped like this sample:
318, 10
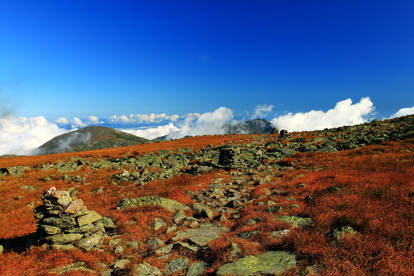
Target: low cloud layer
344, 113
22, 135
144, 118
403, 112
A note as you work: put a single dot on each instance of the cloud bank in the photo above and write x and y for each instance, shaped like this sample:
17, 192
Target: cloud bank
344, 113
22, 135
403, 112
144, 118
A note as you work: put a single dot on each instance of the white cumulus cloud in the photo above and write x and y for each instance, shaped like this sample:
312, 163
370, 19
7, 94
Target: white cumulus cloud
93, 119
262, 110
344, 113
62, 121
193, 124
203, 124
403, 112
22, 135
152, 133
78, 122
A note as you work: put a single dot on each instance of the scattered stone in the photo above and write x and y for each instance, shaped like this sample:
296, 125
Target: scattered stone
202, 210
269, 263
133, 244
235, 252
164, 250
177, 265
78, 267
196, 269
158, 224
120, 264
155, 243
171, 229
169, 204
146, 270
179, 217
119, 249
201, 236
296, 221
280, 233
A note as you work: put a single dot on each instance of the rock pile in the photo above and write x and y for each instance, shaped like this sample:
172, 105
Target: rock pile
65, 223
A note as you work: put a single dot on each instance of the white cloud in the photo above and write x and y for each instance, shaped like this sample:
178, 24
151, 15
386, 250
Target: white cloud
203, 124
193, 124
344, 113
261, 110
152, 133
78, 122
22, 135
403, 112
93, 119
62, 121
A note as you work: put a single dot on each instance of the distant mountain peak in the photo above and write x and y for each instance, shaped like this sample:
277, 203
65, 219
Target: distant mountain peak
89, 138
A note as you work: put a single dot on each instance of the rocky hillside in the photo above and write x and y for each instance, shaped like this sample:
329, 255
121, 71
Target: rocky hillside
90, 138
331, 202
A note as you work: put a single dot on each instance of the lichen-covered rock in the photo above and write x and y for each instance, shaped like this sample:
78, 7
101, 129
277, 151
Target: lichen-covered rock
202, 210
177, 265
296, 221
269, 263
196, 269
166, 203
146, 270
201, 236
88, 218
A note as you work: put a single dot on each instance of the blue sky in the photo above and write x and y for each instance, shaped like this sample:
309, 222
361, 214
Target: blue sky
81, 58
181, 68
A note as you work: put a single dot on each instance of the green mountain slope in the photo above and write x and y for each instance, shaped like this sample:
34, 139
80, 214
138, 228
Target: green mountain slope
90, 138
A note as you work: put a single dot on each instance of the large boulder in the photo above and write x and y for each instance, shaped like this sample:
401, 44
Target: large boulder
269, 263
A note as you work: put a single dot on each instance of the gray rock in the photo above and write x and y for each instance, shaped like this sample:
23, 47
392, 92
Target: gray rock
158, 224
177, 265
155, 243
269, 263
90, 217
201, 236
90, 241
121, 264
146, 270
179, 217
196, 269
202, 210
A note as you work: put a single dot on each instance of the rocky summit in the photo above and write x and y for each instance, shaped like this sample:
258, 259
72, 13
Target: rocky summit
329, 202
65, 223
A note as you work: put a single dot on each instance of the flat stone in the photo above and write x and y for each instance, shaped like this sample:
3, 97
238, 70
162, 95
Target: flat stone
179, 217
63, 223
196, 269
201, 236
296, 221
177, 265
164, 250
158, 224
50, 230
269, 263
169, 204
74, 207
90, 241
146, 270
89, 228
90, 217
155, 243
64, 238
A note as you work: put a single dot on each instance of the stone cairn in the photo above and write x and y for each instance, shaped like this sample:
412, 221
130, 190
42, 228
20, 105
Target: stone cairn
65, 223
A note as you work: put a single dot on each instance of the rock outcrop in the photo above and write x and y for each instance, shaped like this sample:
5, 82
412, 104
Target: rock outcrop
65, 223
